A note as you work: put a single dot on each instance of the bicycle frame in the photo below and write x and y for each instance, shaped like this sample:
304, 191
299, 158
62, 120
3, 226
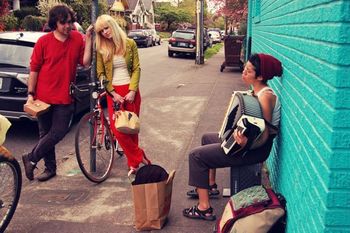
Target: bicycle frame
97, 129
100, 114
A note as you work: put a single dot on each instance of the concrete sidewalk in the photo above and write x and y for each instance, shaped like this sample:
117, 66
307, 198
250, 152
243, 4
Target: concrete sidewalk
69, 203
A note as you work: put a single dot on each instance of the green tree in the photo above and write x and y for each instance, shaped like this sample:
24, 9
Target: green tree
83, 10
45, 5
173, 16
80, 7
188, 6
11, 22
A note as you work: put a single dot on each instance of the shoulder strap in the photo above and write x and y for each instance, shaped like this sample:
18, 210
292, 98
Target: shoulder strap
264, 89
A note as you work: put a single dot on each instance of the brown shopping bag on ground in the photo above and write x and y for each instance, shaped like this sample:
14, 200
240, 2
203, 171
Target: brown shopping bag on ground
152, 202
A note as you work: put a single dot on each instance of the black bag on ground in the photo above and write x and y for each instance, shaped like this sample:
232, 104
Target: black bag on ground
150, 174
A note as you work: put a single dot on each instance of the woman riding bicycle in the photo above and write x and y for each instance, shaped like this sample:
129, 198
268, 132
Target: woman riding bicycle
118, 62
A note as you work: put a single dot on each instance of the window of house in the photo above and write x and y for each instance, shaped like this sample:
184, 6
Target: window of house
256, 5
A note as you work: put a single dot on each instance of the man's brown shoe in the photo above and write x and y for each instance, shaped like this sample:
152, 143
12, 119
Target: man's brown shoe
28, 167
46, 175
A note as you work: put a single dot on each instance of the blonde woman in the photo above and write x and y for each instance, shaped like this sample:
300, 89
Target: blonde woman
118, 63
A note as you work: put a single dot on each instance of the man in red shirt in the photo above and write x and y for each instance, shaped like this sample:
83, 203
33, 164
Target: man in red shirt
52, 68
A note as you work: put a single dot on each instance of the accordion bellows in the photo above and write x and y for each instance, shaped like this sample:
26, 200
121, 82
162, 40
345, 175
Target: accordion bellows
243, 113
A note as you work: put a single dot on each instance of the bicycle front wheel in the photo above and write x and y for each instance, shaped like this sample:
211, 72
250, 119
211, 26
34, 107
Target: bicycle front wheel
10, 189
94, 147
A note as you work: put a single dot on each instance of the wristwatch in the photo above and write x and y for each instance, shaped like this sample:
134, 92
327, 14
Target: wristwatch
31, 93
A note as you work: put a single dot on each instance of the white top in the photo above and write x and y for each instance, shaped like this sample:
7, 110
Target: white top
276, 114
120, 71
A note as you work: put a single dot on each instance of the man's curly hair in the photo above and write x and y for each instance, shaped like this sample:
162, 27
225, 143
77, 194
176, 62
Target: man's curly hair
60, 13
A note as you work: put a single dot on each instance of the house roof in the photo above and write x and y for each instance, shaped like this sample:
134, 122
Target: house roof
132, 4
148, 4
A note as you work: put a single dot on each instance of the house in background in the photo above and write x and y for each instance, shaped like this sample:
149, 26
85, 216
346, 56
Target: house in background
137, 13
149, 13
310, 160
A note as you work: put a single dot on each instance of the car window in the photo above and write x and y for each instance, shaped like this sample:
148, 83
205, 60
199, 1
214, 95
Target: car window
15, 54
214, 33
183, 35
137, 33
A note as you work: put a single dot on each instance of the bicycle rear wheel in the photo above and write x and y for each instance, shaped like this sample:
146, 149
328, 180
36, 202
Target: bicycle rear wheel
94, 147
10, 189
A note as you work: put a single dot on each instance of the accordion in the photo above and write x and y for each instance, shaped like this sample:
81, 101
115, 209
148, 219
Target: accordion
243, 114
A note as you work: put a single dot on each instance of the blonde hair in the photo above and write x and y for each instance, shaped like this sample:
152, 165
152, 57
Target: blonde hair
115, 45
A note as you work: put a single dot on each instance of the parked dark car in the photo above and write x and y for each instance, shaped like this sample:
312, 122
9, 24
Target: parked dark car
141, 37
16, 49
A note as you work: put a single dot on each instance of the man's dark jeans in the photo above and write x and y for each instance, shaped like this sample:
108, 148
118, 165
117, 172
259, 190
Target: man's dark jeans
53, 126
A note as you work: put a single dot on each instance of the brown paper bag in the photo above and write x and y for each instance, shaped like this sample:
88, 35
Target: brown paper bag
37, 108
152, 203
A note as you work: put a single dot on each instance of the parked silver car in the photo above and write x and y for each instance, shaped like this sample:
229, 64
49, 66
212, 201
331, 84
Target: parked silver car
215, 36
182, 42
155, 37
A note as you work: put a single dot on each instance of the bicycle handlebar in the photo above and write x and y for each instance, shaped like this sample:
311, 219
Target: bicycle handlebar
98, 85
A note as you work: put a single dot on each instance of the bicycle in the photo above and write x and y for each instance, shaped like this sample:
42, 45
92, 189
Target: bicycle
95, 143
10, 186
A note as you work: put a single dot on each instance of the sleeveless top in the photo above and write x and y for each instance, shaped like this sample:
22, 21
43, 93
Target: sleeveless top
120, 72
276, 114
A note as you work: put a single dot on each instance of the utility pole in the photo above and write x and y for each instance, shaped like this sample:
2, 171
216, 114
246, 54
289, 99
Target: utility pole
199, 32
94, 12
226, 20
93, 78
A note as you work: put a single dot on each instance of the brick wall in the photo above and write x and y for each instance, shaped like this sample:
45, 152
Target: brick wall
310, 161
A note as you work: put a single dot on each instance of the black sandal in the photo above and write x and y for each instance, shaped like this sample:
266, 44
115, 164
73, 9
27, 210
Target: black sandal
213, 191
196, 213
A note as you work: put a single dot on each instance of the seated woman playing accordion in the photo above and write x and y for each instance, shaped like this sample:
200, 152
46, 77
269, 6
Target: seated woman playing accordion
204, 159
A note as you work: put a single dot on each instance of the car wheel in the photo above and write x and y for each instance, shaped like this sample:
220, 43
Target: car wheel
170, 54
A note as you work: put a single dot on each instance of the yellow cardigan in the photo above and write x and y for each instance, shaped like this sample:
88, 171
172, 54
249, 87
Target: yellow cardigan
132, 62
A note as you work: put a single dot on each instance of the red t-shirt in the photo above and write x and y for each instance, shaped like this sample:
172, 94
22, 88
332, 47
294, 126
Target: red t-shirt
56, 63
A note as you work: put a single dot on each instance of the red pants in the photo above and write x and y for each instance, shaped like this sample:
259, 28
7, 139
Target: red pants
128, 142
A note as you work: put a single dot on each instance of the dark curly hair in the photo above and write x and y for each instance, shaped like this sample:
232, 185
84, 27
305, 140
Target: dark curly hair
60, 13
255, 60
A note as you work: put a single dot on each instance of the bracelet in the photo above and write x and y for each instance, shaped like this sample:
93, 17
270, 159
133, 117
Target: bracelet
31, 93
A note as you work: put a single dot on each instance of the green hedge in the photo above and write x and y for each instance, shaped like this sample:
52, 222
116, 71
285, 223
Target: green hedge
24, 11
10, 22
33, 23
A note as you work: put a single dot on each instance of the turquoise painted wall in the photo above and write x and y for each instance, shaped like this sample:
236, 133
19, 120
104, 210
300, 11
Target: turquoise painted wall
310, 161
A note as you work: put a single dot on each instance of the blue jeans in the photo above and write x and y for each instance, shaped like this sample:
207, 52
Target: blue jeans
53, 126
